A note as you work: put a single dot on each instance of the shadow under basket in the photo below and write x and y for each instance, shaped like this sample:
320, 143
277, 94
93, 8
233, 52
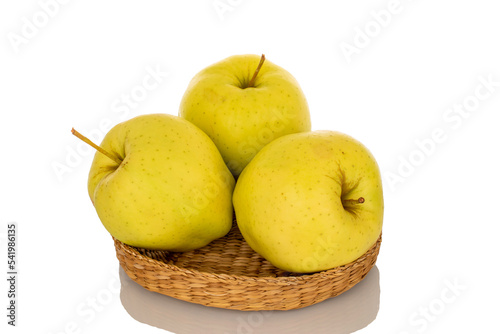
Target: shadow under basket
228, 274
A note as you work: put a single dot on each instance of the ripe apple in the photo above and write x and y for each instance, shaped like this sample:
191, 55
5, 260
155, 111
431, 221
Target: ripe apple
243, 104
162, 186
310, 201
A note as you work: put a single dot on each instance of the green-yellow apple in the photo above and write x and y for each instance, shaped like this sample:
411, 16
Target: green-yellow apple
310, 201
243, 104
168, 189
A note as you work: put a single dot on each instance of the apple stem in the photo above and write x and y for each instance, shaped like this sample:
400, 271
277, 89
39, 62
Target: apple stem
353, 201
252, 81
98, 148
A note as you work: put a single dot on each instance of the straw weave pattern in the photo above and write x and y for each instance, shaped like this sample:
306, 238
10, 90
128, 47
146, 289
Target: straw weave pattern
228, 274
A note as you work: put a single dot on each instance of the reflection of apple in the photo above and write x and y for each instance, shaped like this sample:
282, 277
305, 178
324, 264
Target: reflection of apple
310, 201
243, 104
169, 188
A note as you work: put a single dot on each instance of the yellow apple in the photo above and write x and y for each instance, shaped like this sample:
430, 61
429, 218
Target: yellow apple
310, 201
243, 104
168, 189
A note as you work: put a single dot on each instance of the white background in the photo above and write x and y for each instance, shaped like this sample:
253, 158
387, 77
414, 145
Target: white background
441, 225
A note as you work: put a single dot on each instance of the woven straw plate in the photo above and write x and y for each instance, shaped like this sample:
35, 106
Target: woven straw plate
228, 274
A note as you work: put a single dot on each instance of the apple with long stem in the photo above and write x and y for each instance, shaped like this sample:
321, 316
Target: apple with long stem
159, 182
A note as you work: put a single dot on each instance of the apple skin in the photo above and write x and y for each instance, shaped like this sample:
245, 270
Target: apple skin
172, 190
289, 201
242, 120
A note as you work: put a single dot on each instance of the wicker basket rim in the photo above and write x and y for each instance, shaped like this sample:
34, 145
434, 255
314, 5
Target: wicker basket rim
131, 250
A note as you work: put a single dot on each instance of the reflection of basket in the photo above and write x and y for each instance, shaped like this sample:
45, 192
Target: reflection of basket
228, 274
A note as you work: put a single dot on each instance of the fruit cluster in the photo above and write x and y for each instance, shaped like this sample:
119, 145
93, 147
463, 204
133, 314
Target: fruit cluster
242, 144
